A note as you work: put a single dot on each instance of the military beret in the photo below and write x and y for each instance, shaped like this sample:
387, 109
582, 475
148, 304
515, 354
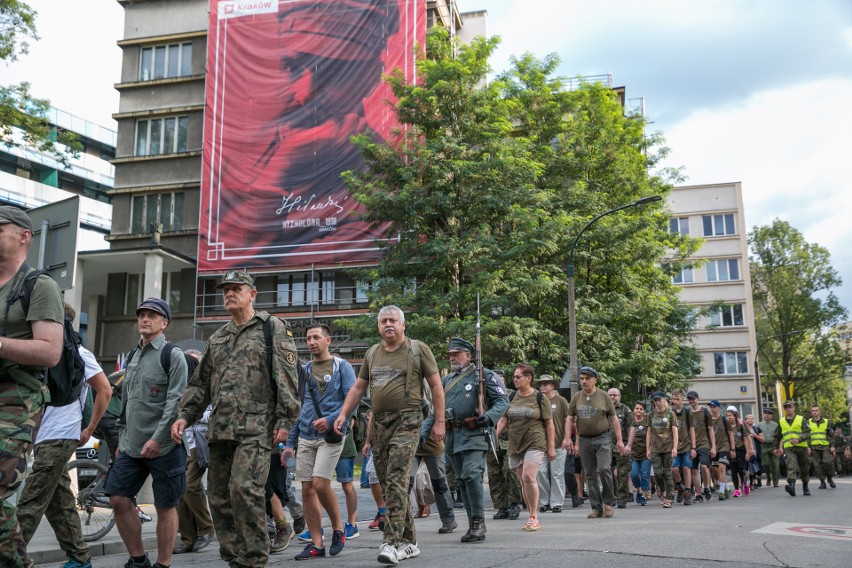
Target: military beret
459, 344
236, 277
589, 372
10, 214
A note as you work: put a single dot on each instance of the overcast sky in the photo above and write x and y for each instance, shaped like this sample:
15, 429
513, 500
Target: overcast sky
757, 91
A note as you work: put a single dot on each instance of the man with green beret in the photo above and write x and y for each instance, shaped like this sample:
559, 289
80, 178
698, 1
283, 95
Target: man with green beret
466, 443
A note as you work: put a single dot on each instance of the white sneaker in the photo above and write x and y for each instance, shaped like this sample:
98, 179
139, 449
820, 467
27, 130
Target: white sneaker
388, 554
407, 550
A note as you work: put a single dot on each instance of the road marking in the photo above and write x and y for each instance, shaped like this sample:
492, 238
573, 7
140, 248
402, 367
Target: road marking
815, 531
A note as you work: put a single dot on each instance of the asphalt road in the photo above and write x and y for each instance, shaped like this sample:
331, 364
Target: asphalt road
817, 533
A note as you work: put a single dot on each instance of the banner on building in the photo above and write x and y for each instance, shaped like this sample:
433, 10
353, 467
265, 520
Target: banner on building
288, 83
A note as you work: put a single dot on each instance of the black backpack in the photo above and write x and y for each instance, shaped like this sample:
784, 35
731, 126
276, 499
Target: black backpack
166, 359
64, 381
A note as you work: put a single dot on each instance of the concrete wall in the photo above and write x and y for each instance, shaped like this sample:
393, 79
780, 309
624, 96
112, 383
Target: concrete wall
146, 19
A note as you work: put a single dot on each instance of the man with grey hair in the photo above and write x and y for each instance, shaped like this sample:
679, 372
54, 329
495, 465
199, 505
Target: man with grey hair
395, 369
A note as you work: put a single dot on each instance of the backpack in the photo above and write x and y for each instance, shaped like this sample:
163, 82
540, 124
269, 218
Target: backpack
359, 430
65, 380
166, 359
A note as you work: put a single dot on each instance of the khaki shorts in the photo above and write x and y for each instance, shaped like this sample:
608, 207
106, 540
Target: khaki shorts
316, 458
535, 456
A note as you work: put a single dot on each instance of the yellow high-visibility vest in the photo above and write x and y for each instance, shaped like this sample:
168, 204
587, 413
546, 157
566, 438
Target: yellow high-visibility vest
819, 432
792, 431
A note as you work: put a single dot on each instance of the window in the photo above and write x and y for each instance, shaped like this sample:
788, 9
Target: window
684, 276
165, 208
731, 362
164, 61
716, 225
728, 316
305, 289
723, 270
170, 288
679, 226
161, 136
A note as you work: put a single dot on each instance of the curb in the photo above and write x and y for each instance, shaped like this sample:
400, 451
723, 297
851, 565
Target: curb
96, 549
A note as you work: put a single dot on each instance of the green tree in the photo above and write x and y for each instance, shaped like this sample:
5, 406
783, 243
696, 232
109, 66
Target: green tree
792, 284
486, 183
18, 108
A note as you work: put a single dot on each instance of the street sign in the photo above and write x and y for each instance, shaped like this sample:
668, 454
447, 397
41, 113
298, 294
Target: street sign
54, 248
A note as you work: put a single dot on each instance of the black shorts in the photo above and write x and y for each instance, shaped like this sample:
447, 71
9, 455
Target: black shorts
702, 457
276, 482
722, 458
127, 475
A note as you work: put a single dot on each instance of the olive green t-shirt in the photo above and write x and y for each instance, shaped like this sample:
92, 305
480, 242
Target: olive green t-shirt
45, 305
387, 372
684, 423
638, 451
321, 371
592, 412
662, 429
559, 410
720, 431
699, 422
527, 429
739, 434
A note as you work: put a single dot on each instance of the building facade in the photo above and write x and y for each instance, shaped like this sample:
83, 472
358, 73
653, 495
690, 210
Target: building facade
718, 285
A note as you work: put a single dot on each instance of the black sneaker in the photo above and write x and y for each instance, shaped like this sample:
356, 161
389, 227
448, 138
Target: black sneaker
133, 564
501, 514
311, 551
337, 540
514, 512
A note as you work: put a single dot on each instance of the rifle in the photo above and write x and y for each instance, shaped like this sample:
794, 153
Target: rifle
480, 373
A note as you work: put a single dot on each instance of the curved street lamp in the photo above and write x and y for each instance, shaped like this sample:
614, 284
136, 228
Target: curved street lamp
571, 375
757, 367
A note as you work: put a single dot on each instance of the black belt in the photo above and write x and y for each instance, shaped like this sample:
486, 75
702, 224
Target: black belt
597, 435
460, 424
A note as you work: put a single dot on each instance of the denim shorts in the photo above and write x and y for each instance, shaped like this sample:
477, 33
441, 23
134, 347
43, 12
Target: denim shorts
683, 460
345, 470
127, 475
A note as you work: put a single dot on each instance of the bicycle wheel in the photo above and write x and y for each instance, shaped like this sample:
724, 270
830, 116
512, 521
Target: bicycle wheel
87, 484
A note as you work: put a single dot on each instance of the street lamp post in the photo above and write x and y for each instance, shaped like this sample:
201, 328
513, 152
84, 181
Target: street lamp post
757, 366
573, 369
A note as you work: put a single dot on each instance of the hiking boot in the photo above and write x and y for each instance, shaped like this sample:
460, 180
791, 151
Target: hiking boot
514, 512
791, 487
448, 527
338, 538
831, 483
501, 514
822, 485
805, 490
283, 536
608, 512
378, 523
351, 531
298, 525
387, 554
476, 532
311, 551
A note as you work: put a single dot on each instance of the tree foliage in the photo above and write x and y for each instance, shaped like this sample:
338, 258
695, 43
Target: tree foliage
795, 310
18, 108
486, 183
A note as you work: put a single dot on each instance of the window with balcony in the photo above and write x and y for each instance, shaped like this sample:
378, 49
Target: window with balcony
163, 208
679, 226
723, 270
727, 316
718, 225
161, 136
165, 61
731, 362
305, 289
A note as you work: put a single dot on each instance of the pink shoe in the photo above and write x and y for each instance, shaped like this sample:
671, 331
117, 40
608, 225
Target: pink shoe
737, 493
747, 489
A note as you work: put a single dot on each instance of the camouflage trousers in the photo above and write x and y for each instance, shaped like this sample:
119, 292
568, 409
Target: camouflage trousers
621, 473
797, 462
236, 478
48, 493
823, 462
502, 483
20, 414
395, 437
663, 473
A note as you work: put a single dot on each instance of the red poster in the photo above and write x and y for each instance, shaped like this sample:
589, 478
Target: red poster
288, 83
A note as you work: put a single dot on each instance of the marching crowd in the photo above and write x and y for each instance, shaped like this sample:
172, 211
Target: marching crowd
251, 416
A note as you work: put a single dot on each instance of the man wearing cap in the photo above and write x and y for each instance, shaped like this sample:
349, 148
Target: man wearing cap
769, 433
255, 401
621, 463
795, 433
551, 476
705, 447
465, 442
821, 452
725, 446
395, 369
149, 408
29, 343
594, 412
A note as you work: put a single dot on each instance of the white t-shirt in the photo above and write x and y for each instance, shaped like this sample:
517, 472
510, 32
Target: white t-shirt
63, 422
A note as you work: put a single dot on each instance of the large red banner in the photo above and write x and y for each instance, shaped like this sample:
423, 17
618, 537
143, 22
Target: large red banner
288, 83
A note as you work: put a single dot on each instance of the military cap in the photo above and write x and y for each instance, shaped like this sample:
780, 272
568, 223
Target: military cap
658, 394
692, 394
459, 344
547, 379
236, 277
156, 305
789, 404
768, 411
714, 402
588, 371
10, 214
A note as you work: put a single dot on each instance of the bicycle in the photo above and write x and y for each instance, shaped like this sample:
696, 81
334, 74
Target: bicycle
87, 484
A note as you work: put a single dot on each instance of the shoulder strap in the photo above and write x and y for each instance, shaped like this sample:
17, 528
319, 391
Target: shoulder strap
166, 357
538, 399
22, 288
267, 337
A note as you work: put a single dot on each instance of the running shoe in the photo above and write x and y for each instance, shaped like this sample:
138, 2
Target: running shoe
337, 540
378, 522
407, 550
311, 551
306, 536
532, 525
351, 531
387, 554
